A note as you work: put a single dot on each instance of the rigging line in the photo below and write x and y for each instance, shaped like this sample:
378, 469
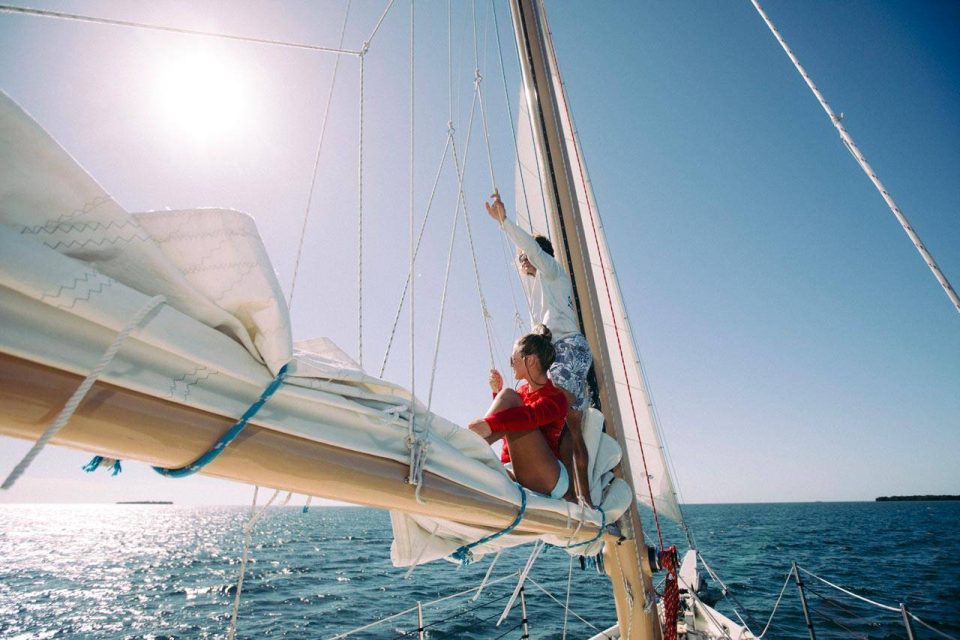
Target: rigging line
416, 252
852, 615
485, 312
849, 593
538, 547
566, 607
850, 631
862, 161
555, 599
379, 22
154, 27
460, 614
931, 628
316, 162
513, 129
597, 230
776, 606
412, 433
360, 217
247, 535
443, 304
486, 577
81, 392
412, 609
727, 593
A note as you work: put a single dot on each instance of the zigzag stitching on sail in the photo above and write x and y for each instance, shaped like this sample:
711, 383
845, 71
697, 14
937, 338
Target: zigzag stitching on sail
189, 380
75, 227
99, 242
96, 278
87, 207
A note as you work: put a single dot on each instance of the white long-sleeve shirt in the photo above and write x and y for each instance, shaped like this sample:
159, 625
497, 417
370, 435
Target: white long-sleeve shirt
551, 293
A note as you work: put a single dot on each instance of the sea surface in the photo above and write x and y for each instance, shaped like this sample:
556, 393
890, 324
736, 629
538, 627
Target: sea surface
161, 571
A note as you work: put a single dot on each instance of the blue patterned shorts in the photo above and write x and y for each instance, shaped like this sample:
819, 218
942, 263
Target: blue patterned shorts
569, 370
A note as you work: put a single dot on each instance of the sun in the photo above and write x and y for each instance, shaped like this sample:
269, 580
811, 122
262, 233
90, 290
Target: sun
201, 94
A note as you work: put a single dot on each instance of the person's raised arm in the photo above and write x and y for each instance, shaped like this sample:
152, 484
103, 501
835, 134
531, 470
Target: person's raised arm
524, 241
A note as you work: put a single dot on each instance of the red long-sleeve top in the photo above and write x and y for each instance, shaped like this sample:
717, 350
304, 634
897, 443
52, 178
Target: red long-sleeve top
544, 409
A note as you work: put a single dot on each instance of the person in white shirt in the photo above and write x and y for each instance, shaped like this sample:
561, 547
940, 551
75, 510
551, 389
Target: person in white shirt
551, 303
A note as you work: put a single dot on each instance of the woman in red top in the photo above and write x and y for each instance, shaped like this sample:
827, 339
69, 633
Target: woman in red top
531, 418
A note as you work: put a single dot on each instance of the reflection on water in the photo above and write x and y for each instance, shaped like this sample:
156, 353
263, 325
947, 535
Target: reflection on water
158, 571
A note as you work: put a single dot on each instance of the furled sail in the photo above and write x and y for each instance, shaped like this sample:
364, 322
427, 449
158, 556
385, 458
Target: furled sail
645, 452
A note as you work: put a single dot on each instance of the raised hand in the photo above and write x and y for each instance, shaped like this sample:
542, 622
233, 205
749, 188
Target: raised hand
496, 210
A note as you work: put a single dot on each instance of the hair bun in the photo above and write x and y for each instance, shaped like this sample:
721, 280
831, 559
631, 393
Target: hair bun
543, 330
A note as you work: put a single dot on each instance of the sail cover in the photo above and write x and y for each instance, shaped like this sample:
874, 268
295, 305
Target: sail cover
645, 452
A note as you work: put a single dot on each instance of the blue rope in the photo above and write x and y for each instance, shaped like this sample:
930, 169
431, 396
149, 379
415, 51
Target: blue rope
464, 555
229, 436
603, 526
95, 463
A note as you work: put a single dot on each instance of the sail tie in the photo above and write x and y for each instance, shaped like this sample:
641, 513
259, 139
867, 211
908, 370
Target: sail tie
603, 526
78, 396
231, 433
464, 555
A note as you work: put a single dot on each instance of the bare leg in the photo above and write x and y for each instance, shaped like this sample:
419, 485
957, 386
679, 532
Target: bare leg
534, 465
573, 453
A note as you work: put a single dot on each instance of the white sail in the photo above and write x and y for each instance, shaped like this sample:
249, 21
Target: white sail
645, 452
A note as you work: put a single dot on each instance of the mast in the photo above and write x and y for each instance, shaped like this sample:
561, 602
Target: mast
627, 562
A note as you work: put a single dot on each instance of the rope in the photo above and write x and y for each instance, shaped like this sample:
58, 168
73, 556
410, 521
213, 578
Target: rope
849, 593
360, 217
839, 624
247, 535
727, 593
193, 32
566, 607
513, 130
537, 548
412, 609
316, 163
484, 311
380, 22
412, 425
408, 284
862, 161
603, 526
229, 436
936, 631
775, 606
464, 555
554, 598
486, 577
71, 406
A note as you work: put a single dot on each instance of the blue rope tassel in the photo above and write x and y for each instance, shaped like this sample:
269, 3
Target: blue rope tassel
603, 526
95, 463
229, 436
464, 555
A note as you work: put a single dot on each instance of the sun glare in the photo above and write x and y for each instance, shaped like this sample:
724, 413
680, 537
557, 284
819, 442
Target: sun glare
201, 94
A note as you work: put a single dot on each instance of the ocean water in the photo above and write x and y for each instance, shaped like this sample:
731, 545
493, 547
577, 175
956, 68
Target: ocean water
154, 571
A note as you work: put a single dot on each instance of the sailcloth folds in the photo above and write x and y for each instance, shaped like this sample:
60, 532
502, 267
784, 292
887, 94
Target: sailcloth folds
75, 266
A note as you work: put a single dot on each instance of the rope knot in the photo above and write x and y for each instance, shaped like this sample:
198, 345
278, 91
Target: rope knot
365, 48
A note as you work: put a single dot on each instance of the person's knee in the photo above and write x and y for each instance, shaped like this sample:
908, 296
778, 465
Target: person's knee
509, 397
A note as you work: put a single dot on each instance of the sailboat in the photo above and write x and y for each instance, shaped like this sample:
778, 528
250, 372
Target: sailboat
187, 370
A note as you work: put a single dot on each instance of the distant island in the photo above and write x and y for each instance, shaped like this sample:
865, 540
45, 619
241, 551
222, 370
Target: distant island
916, 498
146, 502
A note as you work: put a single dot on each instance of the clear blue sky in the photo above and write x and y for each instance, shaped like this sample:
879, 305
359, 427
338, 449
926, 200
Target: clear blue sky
796, 345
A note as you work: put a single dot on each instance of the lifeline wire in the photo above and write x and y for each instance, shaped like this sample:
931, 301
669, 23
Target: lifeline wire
71, 406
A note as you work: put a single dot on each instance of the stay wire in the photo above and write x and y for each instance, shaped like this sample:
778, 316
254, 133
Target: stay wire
513, 130
376, 29
316, 162
416, 252
154, 27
